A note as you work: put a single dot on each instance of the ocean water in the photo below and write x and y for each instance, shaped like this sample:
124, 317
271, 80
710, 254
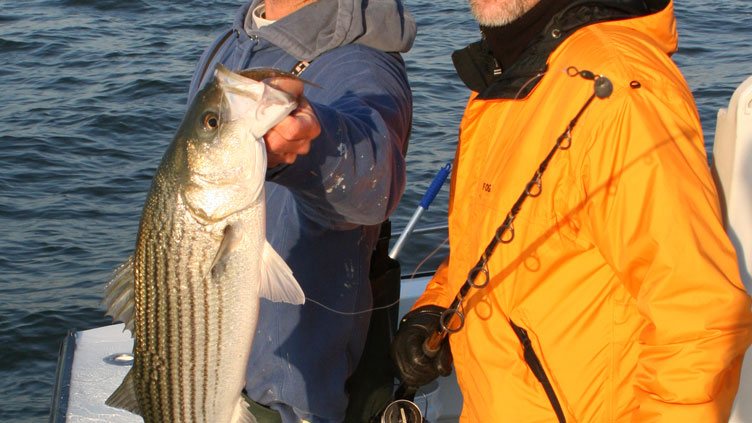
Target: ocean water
92, 91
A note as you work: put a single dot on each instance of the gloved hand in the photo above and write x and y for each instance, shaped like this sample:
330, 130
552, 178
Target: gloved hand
412, 365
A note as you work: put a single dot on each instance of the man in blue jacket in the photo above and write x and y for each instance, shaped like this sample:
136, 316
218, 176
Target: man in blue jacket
336, 171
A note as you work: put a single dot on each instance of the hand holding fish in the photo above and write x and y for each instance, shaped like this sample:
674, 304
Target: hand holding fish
293, 135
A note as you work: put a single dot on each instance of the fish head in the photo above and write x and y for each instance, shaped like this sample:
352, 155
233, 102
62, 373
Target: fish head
224, 155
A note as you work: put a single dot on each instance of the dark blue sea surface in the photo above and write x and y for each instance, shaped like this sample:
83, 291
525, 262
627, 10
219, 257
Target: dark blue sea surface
92, 91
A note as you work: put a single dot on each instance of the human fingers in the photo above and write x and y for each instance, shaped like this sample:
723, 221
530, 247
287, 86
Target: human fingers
292, 136
300, 126
276, 159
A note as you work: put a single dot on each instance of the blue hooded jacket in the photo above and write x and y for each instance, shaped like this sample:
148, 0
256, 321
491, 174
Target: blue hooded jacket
324, 210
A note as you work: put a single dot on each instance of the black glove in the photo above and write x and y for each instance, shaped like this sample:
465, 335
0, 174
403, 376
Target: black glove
412, 365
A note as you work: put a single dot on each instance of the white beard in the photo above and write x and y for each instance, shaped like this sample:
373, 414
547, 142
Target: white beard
499, 12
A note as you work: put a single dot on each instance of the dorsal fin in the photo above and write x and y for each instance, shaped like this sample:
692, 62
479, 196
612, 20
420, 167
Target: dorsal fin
118, 298
260, 74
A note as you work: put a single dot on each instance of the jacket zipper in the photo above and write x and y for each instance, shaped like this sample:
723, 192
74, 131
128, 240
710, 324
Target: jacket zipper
537, 368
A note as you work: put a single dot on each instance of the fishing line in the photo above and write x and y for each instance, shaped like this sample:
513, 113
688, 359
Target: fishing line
431, 254
572, 71
351, 313
384, 307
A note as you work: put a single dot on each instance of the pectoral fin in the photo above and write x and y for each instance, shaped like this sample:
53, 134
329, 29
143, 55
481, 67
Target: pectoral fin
231, 238
277, 281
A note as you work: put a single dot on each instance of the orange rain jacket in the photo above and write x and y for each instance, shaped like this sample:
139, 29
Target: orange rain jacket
620, 273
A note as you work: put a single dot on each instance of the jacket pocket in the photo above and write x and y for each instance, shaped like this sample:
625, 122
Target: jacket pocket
536, 367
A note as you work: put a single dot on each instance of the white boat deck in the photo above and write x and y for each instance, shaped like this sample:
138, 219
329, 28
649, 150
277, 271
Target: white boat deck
93, 372
95, 377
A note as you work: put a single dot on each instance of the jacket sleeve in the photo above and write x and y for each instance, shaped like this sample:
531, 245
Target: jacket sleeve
656, 220
354, 173
437, 292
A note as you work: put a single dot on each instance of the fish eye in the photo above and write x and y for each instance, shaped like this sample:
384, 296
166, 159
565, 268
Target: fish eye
210, 121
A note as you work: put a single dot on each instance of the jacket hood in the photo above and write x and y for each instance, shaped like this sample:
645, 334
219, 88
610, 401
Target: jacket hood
327, 24
478, 69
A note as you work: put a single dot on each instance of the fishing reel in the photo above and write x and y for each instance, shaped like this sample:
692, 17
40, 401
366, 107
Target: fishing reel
406, 409
401, 411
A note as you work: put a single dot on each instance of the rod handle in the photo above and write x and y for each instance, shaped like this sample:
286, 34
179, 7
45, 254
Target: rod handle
435, 186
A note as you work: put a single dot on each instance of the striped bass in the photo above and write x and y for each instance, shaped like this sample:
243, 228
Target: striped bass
190, 292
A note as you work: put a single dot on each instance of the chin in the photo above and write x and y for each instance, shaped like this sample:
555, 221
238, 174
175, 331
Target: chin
499, 12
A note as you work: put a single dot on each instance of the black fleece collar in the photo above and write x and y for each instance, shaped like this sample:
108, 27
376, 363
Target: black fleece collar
506, 42
478, 69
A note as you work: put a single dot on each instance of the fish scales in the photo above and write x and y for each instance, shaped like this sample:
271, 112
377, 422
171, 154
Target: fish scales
202, 261
208, 303
206, 306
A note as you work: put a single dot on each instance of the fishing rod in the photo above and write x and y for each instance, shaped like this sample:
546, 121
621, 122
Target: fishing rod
428, 197
403, 409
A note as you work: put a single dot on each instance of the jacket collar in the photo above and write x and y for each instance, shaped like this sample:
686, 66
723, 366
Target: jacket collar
479, 71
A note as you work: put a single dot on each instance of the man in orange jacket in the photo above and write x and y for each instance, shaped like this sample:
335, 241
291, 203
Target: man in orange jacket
615, 296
